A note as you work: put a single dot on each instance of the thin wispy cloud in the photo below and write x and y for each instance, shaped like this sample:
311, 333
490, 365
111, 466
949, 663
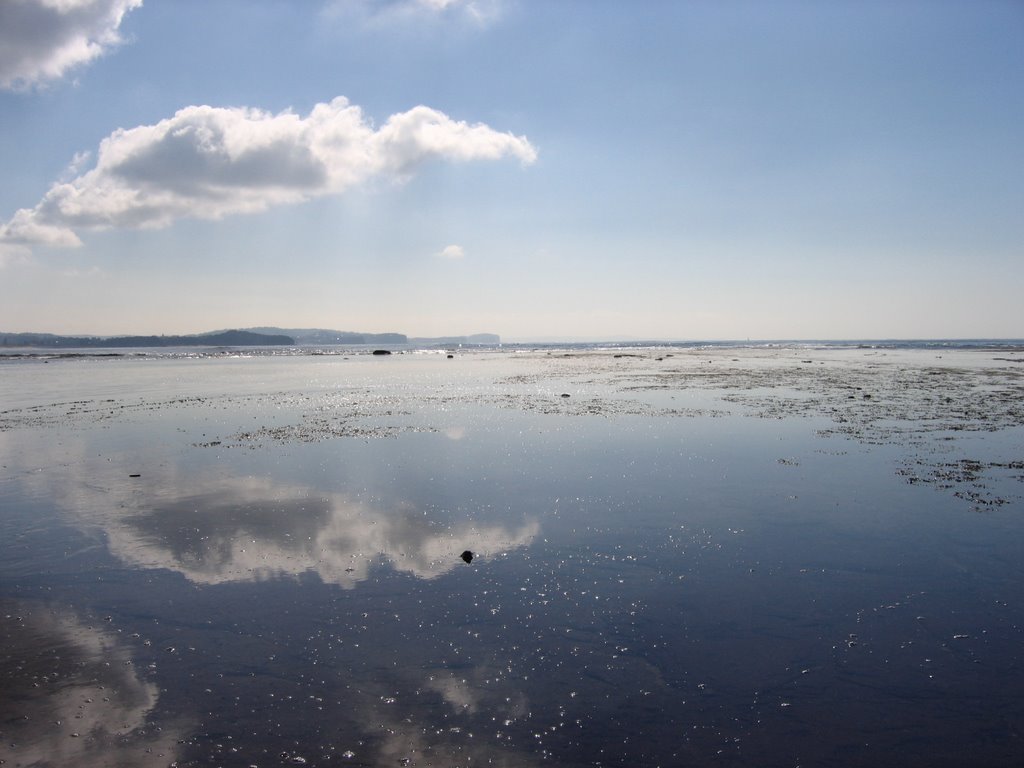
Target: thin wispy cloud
210, 162
453, 252
43, 40
480, 11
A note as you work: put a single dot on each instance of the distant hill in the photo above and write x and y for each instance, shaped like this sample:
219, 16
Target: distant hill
220, 339
454, 341
314, 336
248, 337
306, 336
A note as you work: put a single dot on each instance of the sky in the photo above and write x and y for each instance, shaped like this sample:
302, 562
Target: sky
539, 169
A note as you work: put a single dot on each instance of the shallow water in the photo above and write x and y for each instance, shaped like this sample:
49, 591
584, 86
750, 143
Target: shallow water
735, 557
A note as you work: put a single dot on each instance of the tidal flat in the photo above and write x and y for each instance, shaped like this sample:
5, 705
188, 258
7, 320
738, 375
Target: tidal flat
729, 556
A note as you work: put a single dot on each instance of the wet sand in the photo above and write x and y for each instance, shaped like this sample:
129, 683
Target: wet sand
730, 556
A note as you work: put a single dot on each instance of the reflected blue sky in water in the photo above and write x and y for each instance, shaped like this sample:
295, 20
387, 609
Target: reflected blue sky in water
647, 587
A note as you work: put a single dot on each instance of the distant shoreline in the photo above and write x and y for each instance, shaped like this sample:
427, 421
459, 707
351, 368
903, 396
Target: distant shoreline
225, 338
219, 345
246, 337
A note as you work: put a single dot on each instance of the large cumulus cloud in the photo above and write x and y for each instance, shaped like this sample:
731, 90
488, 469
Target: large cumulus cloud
41, 40
209, 162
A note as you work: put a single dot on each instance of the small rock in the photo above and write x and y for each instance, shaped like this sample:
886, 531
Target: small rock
467, 556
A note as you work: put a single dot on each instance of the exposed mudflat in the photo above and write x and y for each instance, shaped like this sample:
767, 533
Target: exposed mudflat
919, 400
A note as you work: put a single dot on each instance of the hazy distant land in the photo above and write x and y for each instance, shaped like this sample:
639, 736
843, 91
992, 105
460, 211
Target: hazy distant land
307, 336
264, 336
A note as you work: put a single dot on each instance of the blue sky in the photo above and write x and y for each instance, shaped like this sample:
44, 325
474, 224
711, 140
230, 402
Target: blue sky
555, 168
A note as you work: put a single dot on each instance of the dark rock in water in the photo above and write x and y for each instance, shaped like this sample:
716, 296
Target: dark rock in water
451, 357
565, 394
467, 556
382, 351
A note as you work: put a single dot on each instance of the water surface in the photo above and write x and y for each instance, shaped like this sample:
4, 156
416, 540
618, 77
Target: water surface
681, 556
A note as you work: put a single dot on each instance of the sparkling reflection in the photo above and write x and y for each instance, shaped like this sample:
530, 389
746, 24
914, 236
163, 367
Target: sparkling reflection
73, 696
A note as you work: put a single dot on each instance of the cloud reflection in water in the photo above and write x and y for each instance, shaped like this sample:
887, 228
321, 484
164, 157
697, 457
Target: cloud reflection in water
72, 695
248, 529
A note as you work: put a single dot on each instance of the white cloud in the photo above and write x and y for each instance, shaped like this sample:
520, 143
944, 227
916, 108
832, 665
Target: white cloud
209, 162
453, 252
41, 40
480, 10
413, 11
